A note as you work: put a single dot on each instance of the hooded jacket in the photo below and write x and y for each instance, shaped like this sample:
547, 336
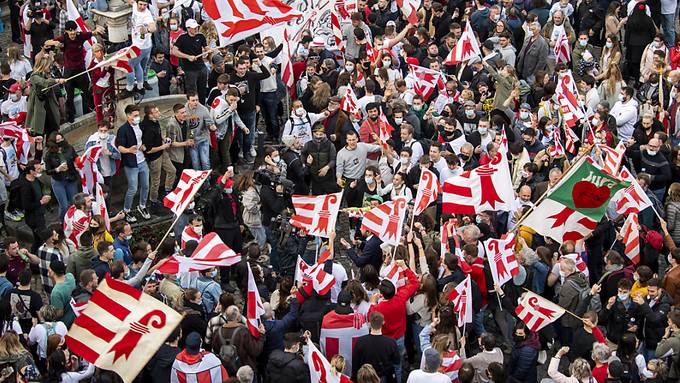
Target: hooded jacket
523, 359
286, 367
81, 260
570, 296
654, 316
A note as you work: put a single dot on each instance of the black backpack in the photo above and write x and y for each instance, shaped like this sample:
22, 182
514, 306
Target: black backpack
228, 352
630, 372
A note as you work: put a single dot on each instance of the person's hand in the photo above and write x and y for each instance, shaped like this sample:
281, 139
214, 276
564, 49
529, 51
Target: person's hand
449, 230
375, 298
498, 289
261, 329
213, 128
310, 159
340, 182
323, 171
152, 255
588, 323
344, 243
610, 302
353, 184
132, 150
99, 30
401, 264
375, 137
478, 149
595, 289
191, 58
409, 236
279, 188
637, 298
45, 200
435, 321
624, 20
142, 147
418, 242
293, 291
562, 351
120, 215
666, 333
307, 335
332, 235
62, 167
326, 113
61, 81
190, 142
664, 226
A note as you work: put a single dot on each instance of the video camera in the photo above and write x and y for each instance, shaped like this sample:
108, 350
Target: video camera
35, 10
267, 178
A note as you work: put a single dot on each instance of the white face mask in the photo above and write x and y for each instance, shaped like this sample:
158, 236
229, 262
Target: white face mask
135, 120
417, 108
213, 274
652, 152
609, 45
103, 136
523, 115
398, 120
404, 160
387, 63
191, 206
198, 230
469, 113
621, 97
15, 97
595, 122
173, 27
369, 180
623, 297
530, 33
276, 159
300, 112
349, 68
482, 131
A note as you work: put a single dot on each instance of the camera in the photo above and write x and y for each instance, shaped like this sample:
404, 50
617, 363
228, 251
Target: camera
267, 178
35, 11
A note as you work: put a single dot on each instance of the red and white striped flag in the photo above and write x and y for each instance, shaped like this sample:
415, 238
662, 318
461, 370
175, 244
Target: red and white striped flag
537, 312
580, 263
570, 140
287, 75
189, 183
188, 234
394, 274
451, 363
74, 15
372, 53
350, 103
322, 282
631, 237
428, 190
426, 80
337, 32
561, 48
320, 368
236, 20
557, 149
255, 306
445, 248
409, 8
77, 308
99, 206
614, 157
386, 221
386, 129
487, 187
76, 222
88, 169
205, 367
466, 48
461, 297
121, 328
22, 141
210, 252
566, 93
121, 59
632, 199
339, 333
316, 214
501, 257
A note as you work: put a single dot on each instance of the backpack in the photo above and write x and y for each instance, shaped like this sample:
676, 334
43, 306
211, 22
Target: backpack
228, 352
630, 372
583, 293
50, 329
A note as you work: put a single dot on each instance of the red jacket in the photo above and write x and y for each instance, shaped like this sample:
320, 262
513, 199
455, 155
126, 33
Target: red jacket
675, 57
477, 275
394, 309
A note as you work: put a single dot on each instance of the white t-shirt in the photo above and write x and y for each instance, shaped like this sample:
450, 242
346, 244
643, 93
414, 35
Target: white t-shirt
137, 20
19, 69
138, 135
13, 108
10, 163
38, 335
340, 275
420, 376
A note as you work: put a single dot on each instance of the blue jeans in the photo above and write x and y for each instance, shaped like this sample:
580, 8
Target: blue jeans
249, 119
260, 235
274, 253
200, 155
402, 351
139, 65
270, 105
478, 321
659, 193
64, 192
668, 25
135, 176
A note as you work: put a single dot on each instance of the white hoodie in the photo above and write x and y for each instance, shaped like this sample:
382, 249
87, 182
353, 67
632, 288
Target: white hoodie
626, 115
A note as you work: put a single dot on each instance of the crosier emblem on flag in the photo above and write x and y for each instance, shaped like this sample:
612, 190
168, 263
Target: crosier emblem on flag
88, 169
189, 183
255, 306
428, 190
386, 129
319, 367
121, 328
461, 297
210, 252
501, 256
612, 162
426, 80
316, 214
475, 191
466, 48
631, 238
557, 150
561, 49
570, 140
386, 221
350, 103
537, 312
409, 8
632, 199
236, 20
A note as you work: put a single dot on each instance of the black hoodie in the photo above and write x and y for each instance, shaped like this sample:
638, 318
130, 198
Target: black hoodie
160, 365
286, 367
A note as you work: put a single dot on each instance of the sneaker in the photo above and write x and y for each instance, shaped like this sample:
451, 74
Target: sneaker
143, 212
147, 86
126, 93
129, 217
12, 216
253, 152
140, 91
19, 213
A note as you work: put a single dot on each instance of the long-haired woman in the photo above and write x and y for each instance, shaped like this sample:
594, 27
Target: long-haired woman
42, 116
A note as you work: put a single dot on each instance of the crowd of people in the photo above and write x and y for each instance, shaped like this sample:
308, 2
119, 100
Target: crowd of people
266, 140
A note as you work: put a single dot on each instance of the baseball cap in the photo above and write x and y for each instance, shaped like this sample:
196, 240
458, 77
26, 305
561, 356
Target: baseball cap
525, 105
217, 59
318, 41
191, 23
343, 304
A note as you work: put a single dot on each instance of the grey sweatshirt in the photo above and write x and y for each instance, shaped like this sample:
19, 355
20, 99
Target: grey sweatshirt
198, 121
352, 163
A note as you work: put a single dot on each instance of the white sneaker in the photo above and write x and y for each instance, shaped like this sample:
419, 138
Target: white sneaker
542, 357
253, 152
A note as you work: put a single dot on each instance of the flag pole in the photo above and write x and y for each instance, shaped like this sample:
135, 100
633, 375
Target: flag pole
99, 65
172, 225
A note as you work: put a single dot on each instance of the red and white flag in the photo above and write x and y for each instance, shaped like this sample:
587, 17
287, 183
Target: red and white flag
22, 141
316, 214
322, 282
210, 252
537, 312
287, 75
461, 297
236, 20
350, 103
409, 8
394, 274
77, 308
386, 221
99, 206
557, 149
121, 59
451, 363
255, 306
632, 199
570, 140
339, 333
631, 238
320, 368
501, 257
580, 263
613, 158
189, 183
561, 48
567, 96
88, 169
337, 31
428, 190
189, 234
121, 328
76, 222
205, 367
371, 53
487, 187
74, 15
386, 129
426, 80
466, 48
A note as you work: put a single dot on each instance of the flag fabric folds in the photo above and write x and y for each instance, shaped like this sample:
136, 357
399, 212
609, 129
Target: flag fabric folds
501, 256
461, 297
386, 221
210, 252
428, 190
189, 183
537, 312
316, 215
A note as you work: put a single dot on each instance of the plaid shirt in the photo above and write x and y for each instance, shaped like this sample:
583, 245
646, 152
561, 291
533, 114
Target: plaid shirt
63, 18
47, 255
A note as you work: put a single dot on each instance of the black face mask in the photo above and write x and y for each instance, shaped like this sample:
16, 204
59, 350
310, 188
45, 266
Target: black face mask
518, 339
464, 157
445, 114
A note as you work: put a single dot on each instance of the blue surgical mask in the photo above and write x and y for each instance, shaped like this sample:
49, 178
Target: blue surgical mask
213, 274
228, 190
128, 237
623, 297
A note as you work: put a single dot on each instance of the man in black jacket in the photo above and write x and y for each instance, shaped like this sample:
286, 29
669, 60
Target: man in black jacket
154, 152
33, 200
297, 169
376, 349
274, 200
650, 160
287, 365
319, 154
654, 315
